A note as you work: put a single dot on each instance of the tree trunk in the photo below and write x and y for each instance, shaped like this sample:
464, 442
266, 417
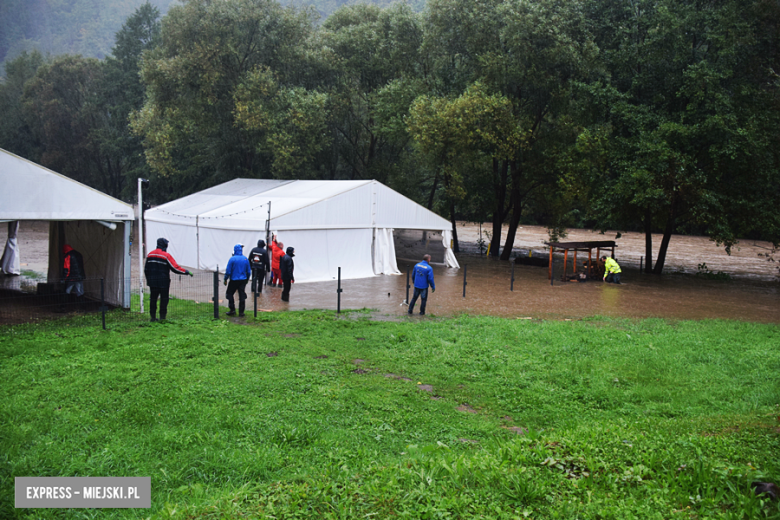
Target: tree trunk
517, 211
648, 243
455, 247
499, 213
670, 224
433, 190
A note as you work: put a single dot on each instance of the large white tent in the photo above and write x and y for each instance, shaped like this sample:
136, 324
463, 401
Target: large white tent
93, 223
331, 224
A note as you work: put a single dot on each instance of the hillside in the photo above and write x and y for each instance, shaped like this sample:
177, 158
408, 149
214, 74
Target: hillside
88, 27
85, 27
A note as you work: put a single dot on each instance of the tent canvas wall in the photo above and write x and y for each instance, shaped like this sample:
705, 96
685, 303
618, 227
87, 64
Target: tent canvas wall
79, 215
331, 224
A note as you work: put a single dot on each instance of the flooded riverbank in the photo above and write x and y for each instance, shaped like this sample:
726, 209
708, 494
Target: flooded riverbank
752, 295
488, 293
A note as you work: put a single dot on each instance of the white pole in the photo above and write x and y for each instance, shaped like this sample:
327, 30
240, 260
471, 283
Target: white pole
141, 245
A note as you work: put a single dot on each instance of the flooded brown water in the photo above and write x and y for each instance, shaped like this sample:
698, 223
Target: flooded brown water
753, 294
488, 292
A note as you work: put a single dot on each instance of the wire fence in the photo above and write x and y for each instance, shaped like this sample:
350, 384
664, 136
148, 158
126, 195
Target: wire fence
104, 302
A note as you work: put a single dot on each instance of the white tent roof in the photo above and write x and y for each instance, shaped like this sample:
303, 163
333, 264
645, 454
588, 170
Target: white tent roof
242, 204
32, 192
331, 224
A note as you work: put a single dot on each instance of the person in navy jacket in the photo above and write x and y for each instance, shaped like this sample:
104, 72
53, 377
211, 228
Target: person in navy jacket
238, 272
423, 277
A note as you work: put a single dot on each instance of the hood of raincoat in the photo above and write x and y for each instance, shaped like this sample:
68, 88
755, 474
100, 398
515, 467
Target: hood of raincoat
66, 249
162, 244
291, 251
238, 249
261, 243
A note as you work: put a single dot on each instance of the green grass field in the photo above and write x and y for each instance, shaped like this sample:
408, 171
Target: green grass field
310, 415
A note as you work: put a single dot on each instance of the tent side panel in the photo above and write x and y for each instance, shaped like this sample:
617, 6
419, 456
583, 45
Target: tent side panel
320, 253
103, 251
216, 245
182, 241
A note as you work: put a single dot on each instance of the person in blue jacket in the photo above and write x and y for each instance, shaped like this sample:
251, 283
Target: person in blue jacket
238, 272
422, 276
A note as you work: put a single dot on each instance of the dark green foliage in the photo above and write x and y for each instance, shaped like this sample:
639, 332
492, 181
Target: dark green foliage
16, 135
687, 110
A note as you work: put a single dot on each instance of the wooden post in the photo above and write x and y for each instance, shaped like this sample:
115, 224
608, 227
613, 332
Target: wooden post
565, 260
590, 266
613, 251
575, 261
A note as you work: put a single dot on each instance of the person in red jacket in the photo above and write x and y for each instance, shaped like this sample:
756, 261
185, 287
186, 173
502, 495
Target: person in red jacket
158, 268
277, 252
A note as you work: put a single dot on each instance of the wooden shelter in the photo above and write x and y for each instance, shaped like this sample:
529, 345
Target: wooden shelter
592, 270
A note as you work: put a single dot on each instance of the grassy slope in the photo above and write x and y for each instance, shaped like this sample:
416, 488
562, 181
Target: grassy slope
642, 419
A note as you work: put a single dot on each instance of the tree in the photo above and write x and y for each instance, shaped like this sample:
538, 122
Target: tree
123, 93
531, 53
291, 123
62, 104
459, 136
374, 55
15, 133
689, 132
208, 49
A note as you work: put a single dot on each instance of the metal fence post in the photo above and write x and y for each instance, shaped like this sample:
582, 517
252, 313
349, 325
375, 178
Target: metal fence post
512, 283
641, 261
465, 270
103, 302
255, 295
552, 270
338, 295
215, 299
406, 301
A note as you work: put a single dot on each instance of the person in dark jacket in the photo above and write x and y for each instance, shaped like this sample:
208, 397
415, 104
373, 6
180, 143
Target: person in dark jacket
287, 267
73, 271
422, 276
158, 268
258, 261
237, 272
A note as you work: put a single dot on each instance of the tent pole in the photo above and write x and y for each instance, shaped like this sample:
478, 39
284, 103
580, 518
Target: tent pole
267, 244
140, 245
127, 287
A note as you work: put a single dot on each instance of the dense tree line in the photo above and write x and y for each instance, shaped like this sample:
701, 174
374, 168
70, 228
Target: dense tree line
658, 116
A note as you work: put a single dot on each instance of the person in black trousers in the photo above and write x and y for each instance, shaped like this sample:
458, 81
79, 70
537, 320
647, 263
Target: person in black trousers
258, 261
287, 266
158, 267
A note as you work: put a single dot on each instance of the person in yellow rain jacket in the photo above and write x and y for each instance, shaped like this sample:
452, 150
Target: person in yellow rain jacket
611, 270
